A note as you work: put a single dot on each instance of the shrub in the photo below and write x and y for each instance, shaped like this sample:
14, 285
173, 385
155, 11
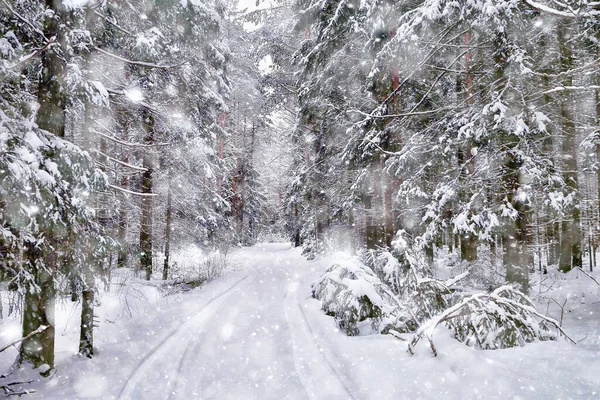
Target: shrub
358, 300
504, 318
402, 271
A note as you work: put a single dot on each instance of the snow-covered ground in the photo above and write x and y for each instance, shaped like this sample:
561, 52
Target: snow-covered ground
256, 333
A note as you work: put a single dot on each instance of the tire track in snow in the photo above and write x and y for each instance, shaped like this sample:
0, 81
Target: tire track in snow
189, 351
192, 349
200, 316
320, 380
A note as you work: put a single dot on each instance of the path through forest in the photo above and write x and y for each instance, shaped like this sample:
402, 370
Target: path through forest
259, 335
256, 333
250, 340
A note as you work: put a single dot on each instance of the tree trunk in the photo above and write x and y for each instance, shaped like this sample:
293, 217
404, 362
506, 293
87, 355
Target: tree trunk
493, 251
570, 255
597, 98
146, 189
517, 257
468, 241
38, 311
86, 333
165, 274
39, 299
51, 93
389, 211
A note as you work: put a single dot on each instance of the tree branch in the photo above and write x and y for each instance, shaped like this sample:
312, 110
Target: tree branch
120, 162
25, 20
35, 53
558, 13
140, 63
37, 331
130, 192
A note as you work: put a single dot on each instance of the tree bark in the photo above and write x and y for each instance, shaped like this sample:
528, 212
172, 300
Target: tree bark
122, 215
570, 255
517, 257
38, 311
86, 332
165, 274
146, 216
468, 241
39, 299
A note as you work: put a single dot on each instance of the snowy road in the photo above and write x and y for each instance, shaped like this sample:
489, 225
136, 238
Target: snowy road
257, 334
250, 341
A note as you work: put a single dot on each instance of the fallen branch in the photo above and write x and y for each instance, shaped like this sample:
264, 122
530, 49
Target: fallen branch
589, 276
9, 391
37, 331
562, 309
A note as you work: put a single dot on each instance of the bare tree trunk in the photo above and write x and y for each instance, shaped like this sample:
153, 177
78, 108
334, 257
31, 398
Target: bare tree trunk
146, 217
165, 274
86, 332
570, 255
38, 311
39, 299
468, 241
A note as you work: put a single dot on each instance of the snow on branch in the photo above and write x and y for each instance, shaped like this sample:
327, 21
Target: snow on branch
569, 88
24, 20
120, 162
110, 21
131, 192
114, 139
559, 13
35, 53
140, 63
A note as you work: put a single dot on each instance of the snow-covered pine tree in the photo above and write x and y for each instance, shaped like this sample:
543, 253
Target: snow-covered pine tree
49, 184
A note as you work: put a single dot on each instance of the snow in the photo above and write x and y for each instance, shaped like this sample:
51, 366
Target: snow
257, 333
134, 94
74, 4
265, 65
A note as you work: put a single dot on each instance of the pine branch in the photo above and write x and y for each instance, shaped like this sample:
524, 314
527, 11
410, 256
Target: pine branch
140, 63
573, 14
120, 162
131, 192
25, 20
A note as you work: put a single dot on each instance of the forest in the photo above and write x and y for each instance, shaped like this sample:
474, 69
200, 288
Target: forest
170, 170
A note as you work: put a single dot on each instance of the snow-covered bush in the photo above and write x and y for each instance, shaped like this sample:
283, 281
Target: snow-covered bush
213, 265
194, 265
502, 319
427, 297
394, 290
385, 265
360, 302
408, 276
